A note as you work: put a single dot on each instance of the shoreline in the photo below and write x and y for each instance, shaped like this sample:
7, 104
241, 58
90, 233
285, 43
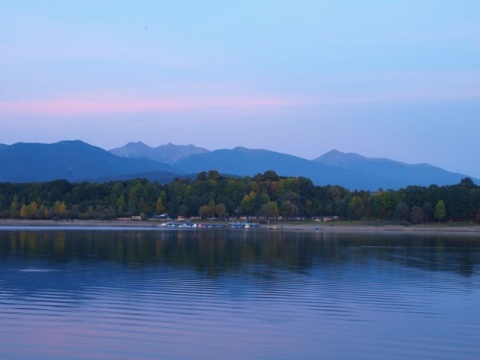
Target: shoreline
307, 227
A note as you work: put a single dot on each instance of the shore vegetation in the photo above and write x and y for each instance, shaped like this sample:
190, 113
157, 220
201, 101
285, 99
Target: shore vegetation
212, 196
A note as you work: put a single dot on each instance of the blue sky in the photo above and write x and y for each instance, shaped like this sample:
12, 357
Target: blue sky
396, 79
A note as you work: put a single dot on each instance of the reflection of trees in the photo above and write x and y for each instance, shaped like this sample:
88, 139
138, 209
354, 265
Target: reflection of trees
221, 251
457, 254
211, 251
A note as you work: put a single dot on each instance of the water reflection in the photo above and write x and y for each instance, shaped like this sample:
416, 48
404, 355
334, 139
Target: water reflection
31, 261
218, 251
237, 295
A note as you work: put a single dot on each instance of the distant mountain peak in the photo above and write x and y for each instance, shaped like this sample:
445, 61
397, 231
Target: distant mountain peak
334, 152
250, 151
336, 158
168, 154
337, 153
174, 146
138, 144
132, 150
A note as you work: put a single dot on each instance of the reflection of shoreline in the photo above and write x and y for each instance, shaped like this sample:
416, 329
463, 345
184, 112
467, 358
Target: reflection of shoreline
309, 227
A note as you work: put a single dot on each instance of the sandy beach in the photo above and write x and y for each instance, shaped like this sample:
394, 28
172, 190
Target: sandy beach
311, 227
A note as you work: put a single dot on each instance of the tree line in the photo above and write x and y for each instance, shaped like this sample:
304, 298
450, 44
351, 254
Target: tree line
210, 194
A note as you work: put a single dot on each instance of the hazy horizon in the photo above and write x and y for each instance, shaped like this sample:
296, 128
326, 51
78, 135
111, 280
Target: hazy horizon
381, 79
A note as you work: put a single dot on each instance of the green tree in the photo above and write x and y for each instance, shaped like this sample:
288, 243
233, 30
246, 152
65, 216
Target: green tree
23, 211
46, 213
160, 209
14, 207
385, 203
60, 208
213, 175
309, 206
32, 210
221, 211
75, 211
183, 210
248, 202
440, 210
427, 212
262, 199
211, 205
402, 211
357, 209
121, 204
90, 212
269, 210
288, 210
205, 211
467, 183
417, 214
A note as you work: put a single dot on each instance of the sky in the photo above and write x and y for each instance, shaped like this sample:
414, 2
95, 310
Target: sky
385, 79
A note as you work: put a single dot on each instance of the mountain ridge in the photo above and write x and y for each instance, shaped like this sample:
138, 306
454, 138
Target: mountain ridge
336, 156
79, 161
368, 173
72, 160
248, 162
415, 174
168, 153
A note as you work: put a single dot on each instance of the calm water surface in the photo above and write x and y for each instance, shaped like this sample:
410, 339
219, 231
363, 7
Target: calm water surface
236, 294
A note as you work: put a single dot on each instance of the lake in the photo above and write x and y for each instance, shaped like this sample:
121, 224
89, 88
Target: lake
237, 294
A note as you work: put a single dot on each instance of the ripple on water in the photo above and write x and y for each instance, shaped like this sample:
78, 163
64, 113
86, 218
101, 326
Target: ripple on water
347, 302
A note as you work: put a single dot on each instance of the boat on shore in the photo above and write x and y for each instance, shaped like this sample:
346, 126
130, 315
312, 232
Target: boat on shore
243, 225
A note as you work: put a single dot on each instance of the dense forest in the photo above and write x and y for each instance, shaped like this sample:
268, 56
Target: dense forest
213, 195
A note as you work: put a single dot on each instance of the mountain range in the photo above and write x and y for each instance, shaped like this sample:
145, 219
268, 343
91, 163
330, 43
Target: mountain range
168, 154
71, 160
79, 161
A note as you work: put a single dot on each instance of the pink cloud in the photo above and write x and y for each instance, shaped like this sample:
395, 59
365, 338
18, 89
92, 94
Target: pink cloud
85, 107
120, 103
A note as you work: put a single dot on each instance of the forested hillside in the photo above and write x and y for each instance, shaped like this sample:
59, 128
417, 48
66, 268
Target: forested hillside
212, 195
